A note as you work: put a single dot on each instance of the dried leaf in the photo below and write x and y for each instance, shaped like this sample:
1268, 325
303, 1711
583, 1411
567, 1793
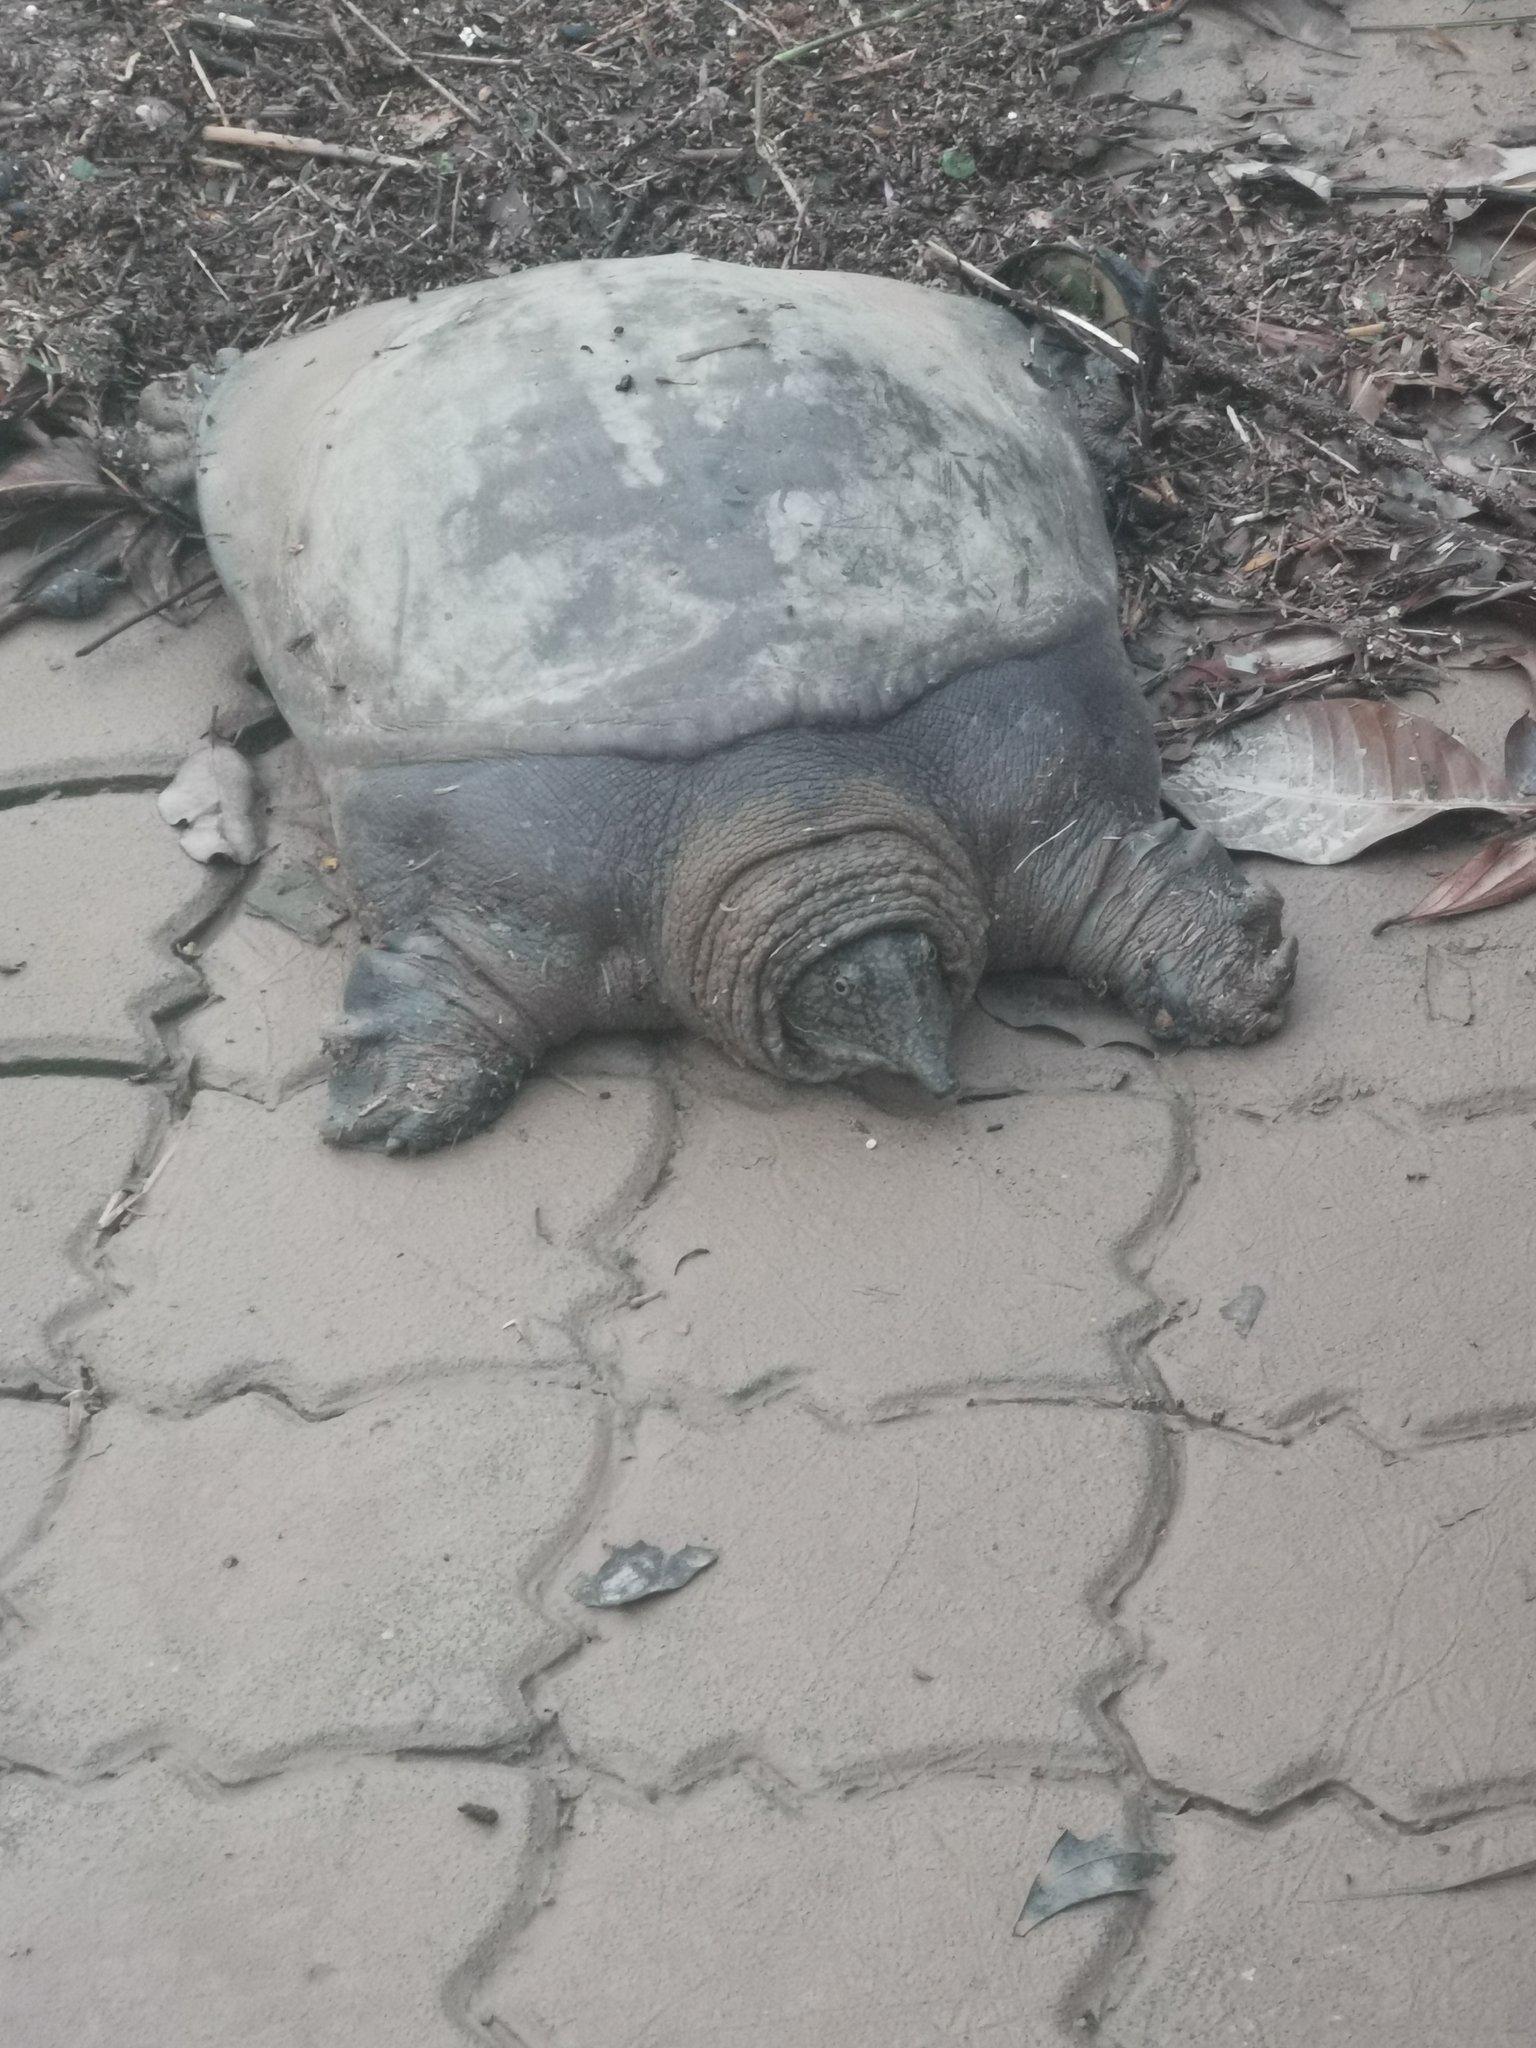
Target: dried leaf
1321, 781
1501, 871
1077, 1871
149, 561
212, 805
45, 479
1520, 756
637, 1571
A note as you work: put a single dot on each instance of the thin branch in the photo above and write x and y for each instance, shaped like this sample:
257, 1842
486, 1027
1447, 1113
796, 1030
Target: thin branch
203, 583
1133, 25
1417, 28
1328, 416
475, 119
1056, 316
767, 150
301, 145
862, 28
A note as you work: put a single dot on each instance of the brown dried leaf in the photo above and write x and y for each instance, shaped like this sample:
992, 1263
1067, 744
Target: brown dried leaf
1501, 871
1321, 781
63, 473
149, 562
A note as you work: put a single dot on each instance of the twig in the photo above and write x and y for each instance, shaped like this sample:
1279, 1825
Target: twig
1330, 417
475, 119
202, 266
1074, 323
151, 611
1170, 732
1417, 28
205, 82
468, 57
32, 575
1484, 189
841, 35
300, 145
241, 26
767, 150
1101, 38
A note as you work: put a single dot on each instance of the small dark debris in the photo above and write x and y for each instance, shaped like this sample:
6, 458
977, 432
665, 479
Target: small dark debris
74, 594
625, 383
482, 1816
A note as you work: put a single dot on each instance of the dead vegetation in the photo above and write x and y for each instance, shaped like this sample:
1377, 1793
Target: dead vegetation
1332, 480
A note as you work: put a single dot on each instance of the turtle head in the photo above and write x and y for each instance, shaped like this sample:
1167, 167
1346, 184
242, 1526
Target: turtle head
878, 1002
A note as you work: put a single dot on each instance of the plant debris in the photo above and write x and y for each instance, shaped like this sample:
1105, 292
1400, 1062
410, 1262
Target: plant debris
1078, 1871
212, 806
1320, 782
1340, 443
638, 1572
1502, 870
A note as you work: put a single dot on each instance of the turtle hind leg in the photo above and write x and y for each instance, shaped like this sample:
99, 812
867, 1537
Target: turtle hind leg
423, 1057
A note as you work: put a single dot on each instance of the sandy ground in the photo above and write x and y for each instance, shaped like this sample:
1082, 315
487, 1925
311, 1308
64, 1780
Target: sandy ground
1143, 1446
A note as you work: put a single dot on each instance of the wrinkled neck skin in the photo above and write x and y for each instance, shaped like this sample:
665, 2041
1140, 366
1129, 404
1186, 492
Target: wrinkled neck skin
767, 883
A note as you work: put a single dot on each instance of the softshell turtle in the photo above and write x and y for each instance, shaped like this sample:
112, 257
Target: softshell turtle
686, 644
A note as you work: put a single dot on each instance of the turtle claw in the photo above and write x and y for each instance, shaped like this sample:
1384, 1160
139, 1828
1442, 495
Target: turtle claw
408, 1075
398, 1097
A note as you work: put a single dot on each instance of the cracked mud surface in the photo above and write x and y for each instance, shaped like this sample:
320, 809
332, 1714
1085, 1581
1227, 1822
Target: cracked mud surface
1142, 1444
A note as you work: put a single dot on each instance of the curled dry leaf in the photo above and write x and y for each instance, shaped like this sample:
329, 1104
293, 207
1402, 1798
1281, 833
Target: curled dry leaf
1501, 871
212, 805
1320, 782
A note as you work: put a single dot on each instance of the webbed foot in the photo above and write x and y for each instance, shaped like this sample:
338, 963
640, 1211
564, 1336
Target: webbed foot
413, 1067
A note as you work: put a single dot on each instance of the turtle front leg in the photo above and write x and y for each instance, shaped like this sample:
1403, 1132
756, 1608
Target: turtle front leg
1186, 941
414, 1066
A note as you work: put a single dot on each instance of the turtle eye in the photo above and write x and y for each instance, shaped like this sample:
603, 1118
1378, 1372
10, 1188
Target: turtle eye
841, 985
